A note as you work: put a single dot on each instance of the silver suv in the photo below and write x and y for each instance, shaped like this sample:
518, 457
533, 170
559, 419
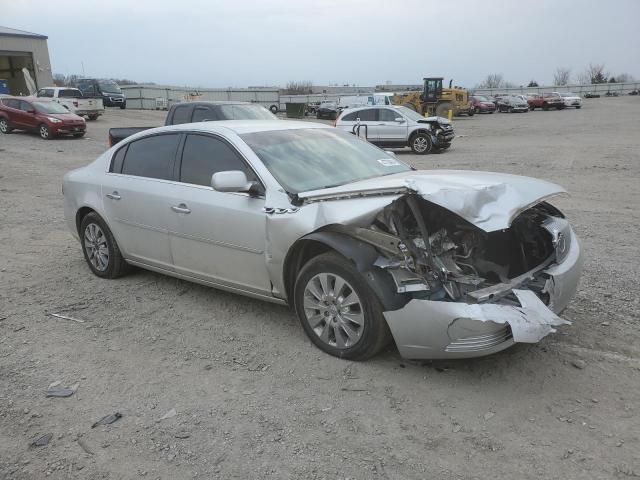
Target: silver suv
393, 126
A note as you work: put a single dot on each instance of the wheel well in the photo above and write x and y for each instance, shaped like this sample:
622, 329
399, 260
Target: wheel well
416, 132
303, 251
83, 212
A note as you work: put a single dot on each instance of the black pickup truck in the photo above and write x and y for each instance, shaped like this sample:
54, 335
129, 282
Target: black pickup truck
192, 112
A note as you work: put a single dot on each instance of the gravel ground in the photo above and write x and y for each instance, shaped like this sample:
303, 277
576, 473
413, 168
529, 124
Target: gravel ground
254, 399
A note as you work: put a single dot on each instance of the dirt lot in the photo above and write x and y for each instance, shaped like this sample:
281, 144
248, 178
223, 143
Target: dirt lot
254, 399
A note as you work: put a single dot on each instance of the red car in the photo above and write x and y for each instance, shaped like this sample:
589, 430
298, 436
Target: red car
544, 101
482, 104
49, 119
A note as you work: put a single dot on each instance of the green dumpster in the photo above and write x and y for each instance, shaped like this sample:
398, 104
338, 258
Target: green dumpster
295, 110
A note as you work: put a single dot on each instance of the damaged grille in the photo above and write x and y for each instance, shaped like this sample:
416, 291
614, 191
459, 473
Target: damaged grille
481, 342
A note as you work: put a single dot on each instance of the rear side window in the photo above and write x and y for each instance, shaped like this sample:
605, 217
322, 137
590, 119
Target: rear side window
181, 114
204, 155
151, 157
369, 115
118, 160
350, 117
12, 103
203, 114
68, 93
25, 106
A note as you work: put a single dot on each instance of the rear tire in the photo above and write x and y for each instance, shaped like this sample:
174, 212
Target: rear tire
78, 135
4, 126
93, 117
338, 310
100, 249
274, 109
123, 106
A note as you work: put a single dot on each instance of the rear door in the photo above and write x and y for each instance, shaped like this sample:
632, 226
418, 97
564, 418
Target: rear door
390, 129
137, 194
368, 121
17, 118
217, 236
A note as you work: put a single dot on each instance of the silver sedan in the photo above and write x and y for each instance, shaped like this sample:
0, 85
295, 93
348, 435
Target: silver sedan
363, 247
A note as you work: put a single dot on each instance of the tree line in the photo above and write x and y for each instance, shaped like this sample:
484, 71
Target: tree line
594, 73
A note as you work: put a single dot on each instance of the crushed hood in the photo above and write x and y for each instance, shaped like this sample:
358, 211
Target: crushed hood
490, 201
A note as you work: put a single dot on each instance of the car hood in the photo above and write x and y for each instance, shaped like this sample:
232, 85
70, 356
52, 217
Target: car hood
490, 201
65, 117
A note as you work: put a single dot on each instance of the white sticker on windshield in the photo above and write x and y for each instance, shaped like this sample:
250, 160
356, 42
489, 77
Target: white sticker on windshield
388, 162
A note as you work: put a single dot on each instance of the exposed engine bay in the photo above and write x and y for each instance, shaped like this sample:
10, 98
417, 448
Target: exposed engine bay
434, 254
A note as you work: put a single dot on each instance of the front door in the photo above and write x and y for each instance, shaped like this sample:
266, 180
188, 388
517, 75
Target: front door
217, 236
392, 126
137, 198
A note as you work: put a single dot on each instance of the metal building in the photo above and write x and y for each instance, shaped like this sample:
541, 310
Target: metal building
18, 50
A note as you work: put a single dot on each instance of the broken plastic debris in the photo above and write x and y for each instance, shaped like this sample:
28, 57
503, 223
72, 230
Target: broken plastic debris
56, 390
107, 420
42, 441
64, 317
169, 414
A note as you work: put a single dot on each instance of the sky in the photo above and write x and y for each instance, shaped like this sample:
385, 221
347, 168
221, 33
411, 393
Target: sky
243, 43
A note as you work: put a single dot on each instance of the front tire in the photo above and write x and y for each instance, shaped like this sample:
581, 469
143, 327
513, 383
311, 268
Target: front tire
421, 143
4, 126
93, 117
45, 132
123, 106
100, 249
338, 311
78, 135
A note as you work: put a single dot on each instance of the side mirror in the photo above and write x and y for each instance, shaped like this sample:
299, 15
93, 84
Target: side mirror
32, 111
399, 119
234, 181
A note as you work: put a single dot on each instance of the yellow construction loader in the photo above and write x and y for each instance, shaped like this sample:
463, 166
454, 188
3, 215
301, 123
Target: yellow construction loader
435, 100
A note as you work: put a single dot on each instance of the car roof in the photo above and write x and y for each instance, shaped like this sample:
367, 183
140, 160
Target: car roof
240, 126
217, 102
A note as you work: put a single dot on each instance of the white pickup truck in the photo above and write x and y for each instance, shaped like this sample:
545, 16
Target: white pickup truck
72, 100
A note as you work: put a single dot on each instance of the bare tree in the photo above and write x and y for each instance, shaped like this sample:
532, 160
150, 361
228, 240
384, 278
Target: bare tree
596, 73
625, 78
299, 88
562, 76
493, 80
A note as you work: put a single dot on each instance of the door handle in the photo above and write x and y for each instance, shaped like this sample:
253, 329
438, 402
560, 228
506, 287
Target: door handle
114, 196
182, 208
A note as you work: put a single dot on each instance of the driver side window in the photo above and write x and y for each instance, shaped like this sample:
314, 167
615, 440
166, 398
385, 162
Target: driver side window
387, 115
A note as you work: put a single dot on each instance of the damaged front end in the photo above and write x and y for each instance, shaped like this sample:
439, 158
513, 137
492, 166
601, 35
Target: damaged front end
468, 291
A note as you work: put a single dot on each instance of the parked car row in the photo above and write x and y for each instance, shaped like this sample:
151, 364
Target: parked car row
524, 103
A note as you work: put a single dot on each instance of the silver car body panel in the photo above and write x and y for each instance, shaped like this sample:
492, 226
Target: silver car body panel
422, 328
490, 201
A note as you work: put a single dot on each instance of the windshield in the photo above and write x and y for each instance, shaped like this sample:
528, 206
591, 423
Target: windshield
481, 98
327, 105
49, 107
410, 114
245, 112
315, 158
108, 86
69, 93
567, 94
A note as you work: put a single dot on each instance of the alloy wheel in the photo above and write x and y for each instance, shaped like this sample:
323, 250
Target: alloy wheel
95, 244
4, 126
44, 131
333, 310
420, 144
